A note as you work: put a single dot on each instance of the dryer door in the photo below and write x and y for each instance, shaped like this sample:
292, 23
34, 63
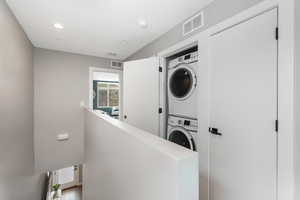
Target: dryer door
182, 137
182, 82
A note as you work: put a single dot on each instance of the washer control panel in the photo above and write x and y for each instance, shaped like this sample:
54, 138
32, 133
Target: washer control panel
189, 124
188, 58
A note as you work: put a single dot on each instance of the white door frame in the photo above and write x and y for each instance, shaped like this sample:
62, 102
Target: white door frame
99, 69
75, 182
285, 190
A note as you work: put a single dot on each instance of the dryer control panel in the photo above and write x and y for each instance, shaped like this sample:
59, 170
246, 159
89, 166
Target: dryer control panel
188, 58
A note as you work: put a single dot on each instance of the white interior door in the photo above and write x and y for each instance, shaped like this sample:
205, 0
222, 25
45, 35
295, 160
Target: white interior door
244, 109
141, 94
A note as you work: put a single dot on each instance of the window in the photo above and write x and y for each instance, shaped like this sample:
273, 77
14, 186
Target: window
107, 97
107, 94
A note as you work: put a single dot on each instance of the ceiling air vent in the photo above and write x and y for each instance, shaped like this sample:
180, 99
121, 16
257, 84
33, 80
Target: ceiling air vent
116, 64
193, 24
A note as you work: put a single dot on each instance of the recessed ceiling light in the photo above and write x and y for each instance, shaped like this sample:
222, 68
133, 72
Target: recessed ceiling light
142, 23
58, 26
112, 54
124, 42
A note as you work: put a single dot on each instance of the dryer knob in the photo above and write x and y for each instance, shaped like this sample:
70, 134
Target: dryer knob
187, 122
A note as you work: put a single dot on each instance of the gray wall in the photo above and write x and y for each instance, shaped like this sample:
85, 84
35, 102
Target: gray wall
17, 181
60, 84
214, 13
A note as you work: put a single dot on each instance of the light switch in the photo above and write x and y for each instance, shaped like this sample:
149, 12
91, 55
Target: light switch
82, 104
62, 137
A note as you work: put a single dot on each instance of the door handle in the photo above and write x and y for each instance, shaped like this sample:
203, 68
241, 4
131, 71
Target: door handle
214, 131
125, 116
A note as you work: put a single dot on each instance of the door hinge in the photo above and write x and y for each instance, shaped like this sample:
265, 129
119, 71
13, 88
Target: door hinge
277, 33
276, 125
160, 69
160, 110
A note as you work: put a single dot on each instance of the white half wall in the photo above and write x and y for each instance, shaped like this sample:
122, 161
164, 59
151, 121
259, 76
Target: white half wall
123, 162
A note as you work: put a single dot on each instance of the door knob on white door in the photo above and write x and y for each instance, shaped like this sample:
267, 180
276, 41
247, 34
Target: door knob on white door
214, 131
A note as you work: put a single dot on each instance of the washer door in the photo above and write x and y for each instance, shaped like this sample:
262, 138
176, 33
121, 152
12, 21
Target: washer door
181, 137
182, 82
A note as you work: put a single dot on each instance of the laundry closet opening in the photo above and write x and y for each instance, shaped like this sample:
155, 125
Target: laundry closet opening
105, 91
182, 120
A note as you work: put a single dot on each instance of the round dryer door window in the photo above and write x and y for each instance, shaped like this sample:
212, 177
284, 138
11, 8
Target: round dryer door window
182, 139
182, 82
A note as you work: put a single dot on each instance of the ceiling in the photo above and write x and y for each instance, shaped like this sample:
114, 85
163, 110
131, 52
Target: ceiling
100, 27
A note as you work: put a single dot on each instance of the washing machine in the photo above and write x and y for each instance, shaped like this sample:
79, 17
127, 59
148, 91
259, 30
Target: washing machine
182, 84
183, 131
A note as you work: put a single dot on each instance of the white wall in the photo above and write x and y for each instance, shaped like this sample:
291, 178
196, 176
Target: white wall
61, 82
297, 99
287, 137
105, 76
17, 179
123, 162
214, 13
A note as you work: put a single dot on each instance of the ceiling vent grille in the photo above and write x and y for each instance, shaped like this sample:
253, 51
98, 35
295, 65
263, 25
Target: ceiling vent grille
193, 24
116, 64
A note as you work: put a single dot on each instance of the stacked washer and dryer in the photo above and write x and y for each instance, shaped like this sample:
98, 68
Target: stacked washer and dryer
182, 99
